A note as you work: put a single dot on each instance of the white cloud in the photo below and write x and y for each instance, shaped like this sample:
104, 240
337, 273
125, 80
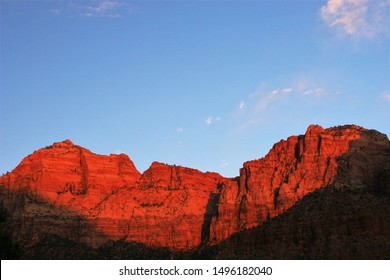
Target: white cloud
242, 105
259, 101
211, 120
107, 5
304, 86
103, 8
386, 96
270, 97
179, 129
309, 87
316, 92
224, 163
357, 18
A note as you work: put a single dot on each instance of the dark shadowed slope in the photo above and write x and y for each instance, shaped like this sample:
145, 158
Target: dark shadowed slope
330, 223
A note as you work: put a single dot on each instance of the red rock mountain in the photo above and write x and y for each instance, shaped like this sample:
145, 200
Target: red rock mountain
178, 207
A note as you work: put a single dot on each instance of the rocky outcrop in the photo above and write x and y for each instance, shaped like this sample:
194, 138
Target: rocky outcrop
341, 156
65, 174
72, 193
167, 206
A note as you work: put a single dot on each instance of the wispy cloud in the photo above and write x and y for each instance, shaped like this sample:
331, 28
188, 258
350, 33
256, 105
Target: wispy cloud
270, 97
254, 109
315, 92
357, 18
224, 163
211, 120
386, 96
260, 101
306, 86
179, 130
102, 8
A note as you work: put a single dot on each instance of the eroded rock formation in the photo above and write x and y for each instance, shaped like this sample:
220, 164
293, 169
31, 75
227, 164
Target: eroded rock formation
347, 155
178, 207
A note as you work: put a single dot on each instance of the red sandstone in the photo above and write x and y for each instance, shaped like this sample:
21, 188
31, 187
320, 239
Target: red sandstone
180, 207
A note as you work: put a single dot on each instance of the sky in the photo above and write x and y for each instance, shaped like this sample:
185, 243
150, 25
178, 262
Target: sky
202, 84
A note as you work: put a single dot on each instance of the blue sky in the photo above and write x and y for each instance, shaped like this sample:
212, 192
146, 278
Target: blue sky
203, 84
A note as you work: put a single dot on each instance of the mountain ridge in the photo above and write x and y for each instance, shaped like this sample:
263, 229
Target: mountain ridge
183, 208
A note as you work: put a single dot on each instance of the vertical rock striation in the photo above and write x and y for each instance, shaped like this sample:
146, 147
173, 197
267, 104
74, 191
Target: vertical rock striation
347, 155
178, 207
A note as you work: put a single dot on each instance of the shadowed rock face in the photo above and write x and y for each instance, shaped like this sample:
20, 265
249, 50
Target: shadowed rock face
329, 223
183, 208
340, 156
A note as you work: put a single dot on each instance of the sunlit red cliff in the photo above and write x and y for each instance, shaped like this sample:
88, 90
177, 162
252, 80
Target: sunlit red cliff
178, 207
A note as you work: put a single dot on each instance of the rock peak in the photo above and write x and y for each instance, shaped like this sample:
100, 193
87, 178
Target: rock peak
64, 144
158, 164
348, 128
68, 142
314, 129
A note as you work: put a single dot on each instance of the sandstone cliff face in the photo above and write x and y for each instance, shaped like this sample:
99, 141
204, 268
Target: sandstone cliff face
177, 207
166, 206
64, 171
347, 155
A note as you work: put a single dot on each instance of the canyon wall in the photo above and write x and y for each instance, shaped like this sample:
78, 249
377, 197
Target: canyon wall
177, 207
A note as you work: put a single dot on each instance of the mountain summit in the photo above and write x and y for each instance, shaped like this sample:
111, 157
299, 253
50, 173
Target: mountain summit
69, 192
